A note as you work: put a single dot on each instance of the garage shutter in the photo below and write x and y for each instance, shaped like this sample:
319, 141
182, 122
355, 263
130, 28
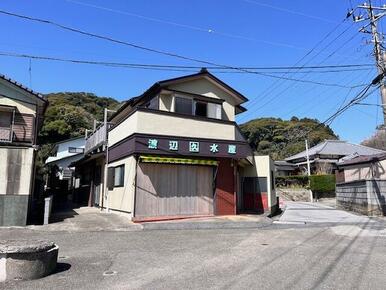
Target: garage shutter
173, 190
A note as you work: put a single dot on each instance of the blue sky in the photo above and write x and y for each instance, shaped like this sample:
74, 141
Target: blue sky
244, 33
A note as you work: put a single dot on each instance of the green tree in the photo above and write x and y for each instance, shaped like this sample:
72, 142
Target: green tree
282, 138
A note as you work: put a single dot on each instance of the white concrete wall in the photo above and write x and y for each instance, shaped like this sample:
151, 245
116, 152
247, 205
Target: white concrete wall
263, 166
16, 171
122, 198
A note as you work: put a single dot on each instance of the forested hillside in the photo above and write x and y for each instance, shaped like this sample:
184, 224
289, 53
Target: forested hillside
282, 138
69, 115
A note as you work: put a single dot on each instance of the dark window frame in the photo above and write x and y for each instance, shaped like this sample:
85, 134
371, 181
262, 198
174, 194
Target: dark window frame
75, 150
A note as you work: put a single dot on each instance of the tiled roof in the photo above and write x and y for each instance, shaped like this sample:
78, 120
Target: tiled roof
362, 159
24, 88
336, 147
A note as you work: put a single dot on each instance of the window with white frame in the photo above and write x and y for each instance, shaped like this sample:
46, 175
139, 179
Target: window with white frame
119, 175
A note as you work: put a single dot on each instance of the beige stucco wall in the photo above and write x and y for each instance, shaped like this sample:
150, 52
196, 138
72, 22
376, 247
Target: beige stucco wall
124, 129
207, 88
365, 171
11, 96
262, 167
122, 198
152, 123
166, 102
16, 170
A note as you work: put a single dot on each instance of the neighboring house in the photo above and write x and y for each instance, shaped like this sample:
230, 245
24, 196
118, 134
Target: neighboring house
361, 184
284, 168
21, 115
176, 151
61, 178
325, 156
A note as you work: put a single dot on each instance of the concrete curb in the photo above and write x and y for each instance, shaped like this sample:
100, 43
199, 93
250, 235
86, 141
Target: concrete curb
206, 225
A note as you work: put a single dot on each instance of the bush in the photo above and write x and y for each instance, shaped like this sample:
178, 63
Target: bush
322, 183
292, 181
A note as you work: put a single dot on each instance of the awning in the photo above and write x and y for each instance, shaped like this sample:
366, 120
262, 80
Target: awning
159, 159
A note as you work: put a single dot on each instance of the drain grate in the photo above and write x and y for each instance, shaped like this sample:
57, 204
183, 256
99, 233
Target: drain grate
264, 244
109, 273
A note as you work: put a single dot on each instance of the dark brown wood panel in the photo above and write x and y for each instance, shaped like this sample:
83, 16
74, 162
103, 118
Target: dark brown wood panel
173, 190
23, 128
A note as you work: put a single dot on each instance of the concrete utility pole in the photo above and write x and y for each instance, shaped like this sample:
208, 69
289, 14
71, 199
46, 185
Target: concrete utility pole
374, 14
309, 169
105, 187
308, 160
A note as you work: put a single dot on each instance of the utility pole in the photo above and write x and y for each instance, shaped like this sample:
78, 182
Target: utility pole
374, 14
309, 169
105, 186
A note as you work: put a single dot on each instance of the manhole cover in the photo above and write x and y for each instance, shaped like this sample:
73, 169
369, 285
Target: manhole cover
109, 273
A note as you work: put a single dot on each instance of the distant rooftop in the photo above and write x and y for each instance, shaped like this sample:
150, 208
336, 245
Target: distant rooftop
336, 147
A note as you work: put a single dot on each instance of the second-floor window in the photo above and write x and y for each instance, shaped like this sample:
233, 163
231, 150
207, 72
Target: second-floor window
6, 117
197, 108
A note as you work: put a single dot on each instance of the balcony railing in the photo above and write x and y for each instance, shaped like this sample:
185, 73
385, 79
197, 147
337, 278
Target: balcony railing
5, 134
96, 138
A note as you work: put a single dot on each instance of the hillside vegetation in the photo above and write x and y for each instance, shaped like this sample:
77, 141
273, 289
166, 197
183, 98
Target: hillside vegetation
68, 115
283, 138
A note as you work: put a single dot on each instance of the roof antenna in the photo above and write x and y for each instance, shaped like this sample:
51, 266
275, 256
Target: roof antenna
30, 73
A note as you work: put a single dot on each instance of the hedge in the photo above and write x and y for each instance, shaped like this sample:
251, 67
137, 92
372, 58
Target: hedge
317, 183
322, 183
292, 181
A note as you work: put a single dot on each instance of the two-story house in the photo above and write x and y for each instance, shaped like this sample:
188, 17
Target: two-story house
61, 181
21, 115
176, 151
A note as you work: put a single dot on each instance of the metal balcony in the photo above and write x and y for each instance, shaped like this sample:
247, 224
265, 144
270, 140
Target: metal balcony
96, 139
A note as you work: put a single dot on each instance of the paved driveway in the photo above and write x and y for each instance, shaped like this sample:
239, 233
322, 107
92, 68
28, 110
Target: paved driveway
306, 212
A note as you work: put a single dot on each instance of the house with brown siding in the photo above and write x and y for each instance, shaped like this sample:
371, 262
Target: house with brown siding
176, 151
21, 115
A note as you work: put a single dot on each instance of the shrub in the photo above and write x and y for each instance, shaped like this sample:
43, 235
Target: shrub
292, 181
322, 183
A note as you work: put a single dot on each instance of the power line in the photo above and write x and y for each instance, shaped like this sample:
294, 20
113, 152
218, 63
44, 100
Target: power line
344, 68
186, 26
276, 84
290, 11
170, 54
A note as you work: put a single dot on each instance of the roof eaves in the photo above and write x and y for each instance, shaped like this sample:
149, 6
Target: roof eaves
24, 88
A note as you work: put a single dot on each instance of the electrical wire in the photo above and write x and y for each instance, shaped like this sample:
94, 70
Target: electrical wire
346, 68
186, 26
275, 85
157, 51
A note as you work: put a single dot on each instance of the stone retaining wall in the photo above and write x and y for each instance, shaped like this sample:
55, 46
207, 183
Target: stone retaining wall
362, 196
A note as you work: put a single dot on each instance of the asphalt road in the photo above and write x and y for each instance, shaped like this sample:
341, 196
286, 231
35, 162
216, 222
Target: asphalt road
334, 254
